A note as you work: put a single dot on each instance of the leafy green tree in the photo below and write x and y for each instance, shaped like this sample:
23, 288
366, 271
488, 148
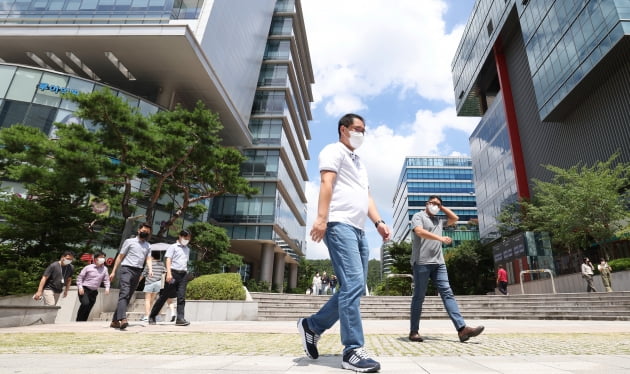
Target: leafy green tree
54, 214
374, 274
211, 244
400, 253
51, 217
580, 206
470, 268
120, 141
512, 218
306, 270
189, 163
178, 151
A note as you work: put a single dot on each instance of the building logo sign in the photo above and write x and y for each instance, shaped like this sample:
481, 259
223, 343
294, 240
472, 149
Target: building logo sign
56, 89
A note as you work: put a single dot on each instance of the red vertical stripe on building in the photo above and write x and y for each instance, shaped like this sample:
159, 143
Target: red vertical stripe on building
522, 188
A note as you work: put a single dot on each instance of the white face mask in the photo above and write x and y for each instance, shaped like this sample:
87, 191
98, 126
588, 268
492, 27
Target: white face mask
184, 241
356, 139
434, 209
100, 261
67, 262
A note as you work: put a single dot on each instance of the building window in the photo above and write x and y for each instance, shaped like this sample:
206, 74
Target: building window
287, 6
269, 102
266, 131
281, 26
273, 75
278, 50
186, 9
260, 163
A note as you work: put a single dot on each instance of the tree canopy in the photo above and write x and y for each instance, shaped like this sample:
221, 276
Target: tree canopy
178, 152
580, 206
85, 181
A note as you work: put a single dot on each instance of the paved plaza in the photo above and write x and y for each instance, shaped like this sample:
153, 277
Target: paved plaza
506, 346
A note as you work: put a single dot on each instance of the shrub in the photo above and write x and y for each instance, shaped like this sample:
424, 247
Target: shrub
620, 264
225, 286
12, 283
257, 286
394, 287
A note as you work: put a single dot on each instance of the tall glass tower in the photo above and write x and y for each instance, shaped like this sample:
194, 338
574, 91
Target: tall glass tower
246, 60
451, 178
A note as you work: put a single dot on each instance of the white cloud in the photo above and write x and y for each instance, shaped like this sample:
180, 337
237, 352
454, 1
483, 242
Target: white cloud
383, 153
360, 48
363, 50
385, 149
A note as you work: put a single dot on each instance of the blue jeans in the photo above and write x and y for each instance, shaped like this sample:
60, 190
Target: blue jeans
349, 253
439, 276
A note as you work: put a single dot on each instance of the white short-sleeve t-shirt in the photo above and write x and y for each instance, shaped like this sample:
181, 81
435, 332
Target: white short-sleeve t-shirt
350, 198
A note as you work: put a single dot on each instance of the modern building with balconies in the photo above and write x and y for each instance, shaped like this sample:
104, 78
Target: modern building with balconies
246, 60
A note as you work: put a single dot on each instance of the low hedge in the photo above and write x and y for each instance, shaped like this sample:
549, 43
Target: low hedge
225, 286
619, 264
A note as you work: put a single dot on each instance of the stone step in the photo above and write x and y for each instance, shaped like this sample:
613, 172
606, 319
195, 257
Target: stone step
135, 310
594, 306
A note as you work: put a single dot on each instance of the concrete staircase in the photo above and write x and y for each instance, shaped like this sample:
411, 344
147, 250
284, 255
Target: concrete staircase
135, 310
612, 306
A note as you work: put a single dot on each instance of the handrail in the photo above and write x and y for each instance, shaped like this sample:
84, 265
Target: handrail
553, 286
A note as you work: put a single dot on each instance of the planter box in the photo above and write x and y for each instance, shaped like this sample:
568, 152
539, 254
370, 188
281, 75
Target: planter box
221, 310
26, 315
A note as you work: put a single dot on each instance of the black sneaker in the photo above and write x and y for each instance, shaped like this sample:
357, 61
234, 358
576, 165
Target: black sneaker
151, 320
182, 322
359, 360
309, 339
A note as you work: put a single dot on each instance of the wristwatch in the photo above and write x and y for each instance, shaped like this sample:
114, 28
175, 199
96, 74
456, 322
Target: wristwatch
378, 223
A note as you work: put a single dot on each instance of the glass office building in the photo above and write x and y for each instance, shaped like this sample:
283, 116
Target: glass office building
550, 80
246, 60
551, 83
451, 178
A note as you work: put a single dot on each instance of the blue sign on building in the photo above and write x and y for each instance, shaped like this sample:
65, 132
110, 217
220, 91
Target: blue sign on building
56, 89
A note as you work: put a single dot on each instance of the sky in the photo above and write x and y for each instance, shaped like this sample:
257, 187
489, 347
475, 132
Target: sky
391, 65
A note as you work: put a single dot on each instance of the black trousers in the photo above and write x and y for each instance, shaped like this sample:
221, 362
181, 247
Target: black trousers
129, 279
503, 287
87, 301
178, 287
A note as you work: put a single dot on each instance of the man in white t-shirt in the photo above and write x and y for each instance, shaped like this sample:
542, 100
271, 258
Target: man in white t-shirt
344, 203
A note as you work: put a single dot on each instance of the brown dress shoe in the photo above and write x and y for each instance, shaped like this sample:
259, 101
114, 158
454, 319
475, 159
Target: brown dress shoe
115, 325
469, 332
415, 337
123, 323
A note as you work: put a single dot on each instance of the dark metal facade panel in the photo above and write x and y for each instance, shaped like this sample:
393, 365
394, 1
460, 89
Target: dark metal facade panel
598, 126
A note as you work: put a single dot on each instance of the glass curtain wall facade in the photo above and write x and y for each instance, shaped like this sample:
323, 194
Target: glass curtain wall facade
168, 52
276, 161
32, 96
107, 11
493, 167
548, 78
451, 178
